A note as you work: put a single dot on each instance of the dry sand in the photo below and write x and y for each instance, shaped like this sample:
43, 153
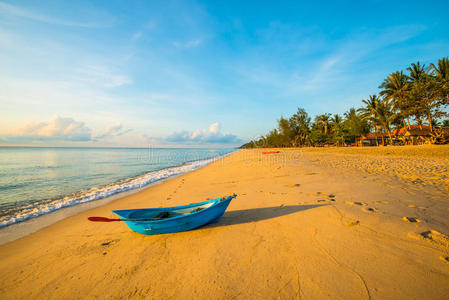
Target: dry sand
312, 224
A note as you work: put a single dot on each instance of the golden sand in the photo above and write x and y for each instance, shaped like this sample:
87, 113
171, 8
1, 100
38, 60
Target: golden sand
314, 224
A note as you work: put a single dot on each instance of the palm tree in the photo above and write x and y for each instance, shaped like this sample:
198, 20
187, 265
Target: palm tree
418, 76
442, 76
369, 111
337, 120
395, 88
385, 116
442, 70
337, 124
323, 121
417, 72
355, 124
300, 123
370, 106
428, 91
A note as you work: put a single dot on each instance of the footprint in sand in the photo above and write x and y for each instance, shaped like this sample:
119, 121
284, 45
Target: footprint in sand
411, 219
445, 258
436, 237
381, 202
355, 203
294, 185
370, 209
330, 197
414, 206
326, 200
353, 223
109, 243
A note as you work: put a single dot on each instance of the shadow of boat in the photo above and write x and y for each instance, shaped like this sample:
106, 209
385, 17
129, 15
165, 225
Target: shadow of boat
258, 214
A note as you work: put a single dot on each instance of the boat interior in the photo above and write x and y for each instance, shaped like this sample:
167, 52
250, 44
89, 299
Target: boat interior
165, 214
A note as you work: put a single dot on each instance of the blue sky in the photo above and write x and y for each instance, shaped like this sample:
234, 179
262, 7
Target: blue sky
197, 73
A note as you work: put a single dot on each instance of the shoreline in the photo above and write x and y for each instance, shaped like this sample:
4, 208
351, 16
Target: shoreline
17, 230
303, 225
22, 229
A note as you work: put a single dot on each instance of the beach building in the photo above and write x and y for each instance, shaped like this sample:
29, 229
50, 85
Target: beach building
414, 134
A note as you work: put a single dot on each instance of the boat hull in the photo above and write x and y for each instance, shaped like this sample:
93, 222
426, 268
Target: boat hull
213, 211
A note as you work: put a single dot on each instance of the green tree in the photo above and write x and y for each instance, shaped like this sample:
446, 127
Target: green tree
323, 122
337, 128
426, 94
300, 124
355, 125
441, 72
445, 124
418, 80
368, 112
385, 116
287, 134
395, 88
273, 139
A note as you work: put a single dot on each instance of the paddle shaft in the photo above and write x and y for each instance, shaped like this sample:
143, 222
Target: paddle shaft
103, 219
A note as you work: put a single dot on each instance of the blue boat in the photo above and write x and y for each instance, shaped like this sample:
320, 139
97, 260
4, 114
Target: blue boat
152, 221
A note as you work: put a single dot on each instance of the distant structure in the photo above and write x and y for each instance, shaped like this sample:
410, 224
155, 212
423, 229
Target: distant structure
409, 135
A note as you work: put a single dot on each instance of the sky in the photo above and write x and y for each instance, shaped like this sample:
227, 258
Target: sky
197, 73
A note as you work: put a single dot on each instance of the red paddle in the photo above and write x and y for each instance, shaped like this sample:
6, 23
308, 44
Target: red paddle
103, 219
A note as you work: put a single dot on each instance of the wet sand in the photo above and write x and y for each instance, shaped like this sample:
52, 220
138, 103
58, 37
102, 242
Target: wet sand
307, 223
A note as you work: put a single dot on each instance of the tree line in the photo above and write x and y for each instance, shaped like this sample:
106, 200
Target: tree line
419, 96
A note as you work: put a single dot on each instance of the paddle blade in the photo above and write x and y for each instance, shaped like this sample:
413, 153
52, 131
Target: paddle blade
102, 219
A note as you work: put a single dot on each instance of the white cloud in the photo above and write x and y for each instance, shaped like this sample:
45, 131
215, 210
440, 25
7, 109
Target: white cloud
215, 128
148, 139
32, 128
201, 136
58, 128
113, 130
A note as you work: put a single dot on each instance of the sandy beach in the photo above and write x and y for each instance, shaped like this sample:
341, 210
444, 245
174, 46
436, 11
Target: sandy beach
315, 223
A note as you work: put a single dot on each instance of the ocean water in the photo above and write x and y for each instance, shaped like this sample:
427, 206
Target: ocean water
36, 181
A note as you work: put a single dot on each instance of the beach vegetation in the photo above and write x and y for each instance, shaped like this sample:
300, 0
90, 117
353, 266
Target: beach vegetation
410, 108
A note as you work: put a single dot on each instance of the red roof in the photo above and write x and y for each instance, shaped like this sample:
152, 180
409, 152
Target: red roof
396, 132
403, 130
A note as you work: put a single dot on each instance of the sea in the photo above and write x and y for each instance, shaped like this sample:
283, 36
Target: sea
36, 180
